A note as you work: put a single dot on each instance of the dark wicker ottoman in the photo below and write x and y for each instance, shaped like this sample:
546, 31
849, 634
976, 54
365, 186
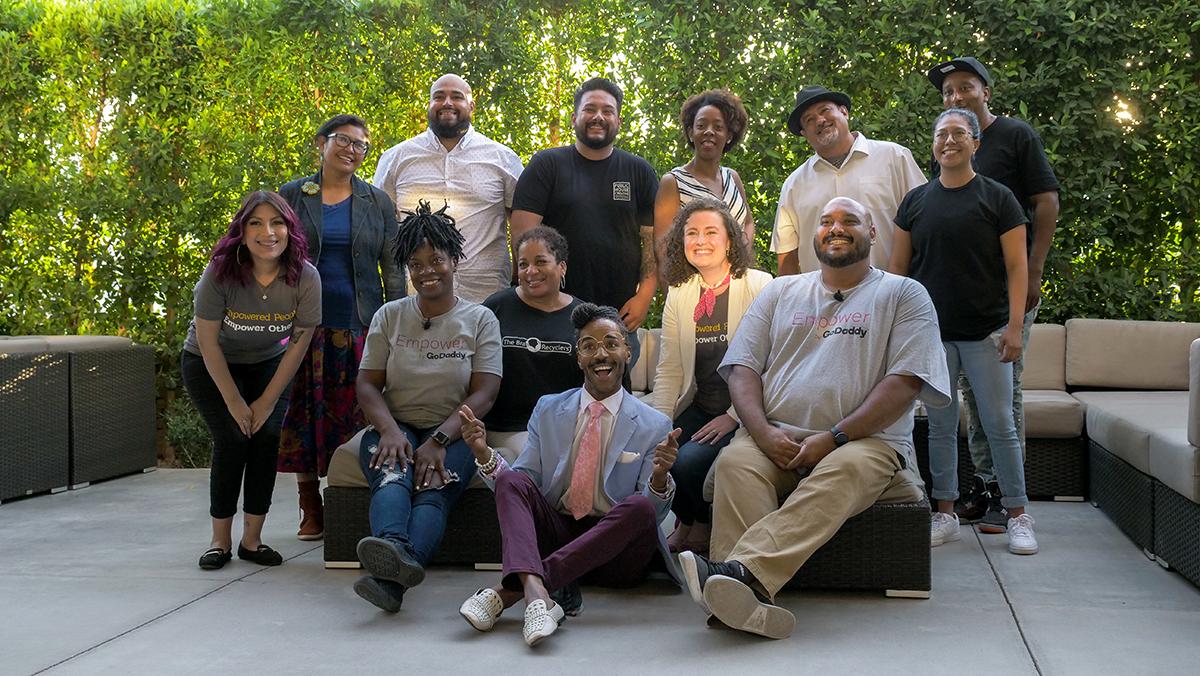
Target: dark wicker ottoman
35, 435
1177, 532
886, 547
472, 531
1126, 495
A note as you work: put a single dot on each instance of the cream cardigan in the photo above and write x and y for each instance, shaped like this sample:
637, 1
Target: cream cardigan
675, 378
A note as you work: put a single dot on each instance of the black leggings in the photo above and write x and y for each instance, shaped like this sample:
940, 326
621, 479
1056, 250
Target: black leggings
236, 458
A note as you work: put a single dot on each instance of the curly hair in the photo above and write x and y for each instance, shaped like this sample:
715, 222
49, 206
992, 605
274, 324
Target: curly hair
228, 266
426, 226
723, 100
553, 239
586, 313
678, 269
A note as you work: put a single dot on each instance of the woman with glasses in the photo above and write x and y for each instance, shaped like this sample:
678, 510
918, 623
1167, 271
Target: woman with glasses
962, 235
350, 226
539, 352
426, 356
714, 122
707, 264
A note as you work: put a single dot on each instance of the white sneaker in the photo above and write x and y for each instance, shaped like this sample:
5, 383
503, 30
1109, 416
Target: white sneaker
943, 528
540, 622
482, 609
1020, 535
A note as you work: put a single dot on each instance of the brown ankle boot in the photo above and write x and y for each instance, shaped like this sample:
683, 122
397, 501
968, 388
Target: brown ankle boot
312, 518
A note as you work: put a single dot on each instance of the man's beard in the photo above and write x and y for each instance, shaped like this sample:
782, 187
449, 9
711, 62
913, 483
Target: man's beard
595, 144
447, 130
861, 250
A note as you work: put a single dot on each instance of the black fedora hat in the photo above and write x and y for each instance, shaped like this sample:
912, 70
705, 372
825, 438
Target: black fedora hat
970, 64
808, 96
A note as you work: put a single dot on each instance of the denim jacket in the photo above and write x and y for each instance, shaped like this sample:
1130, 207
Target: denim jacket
372, 240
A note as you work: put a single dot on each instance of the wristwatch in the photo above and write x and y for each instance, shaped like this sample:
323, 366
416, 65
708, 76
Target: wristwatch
840, 438
440, 438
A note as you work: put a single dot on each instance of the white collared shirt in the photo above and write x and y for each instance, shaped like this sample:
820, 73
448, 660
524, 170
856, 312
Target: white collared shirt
477, 179
612, 404
877, 174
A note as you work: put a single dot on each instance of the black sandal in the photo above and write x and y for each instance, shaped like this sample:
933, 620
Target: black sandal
263, 556
215, 558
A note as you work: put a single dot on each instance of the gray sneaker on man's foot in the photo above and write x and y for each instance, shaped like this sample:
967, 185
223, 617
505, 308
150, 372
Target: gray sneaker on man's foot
995, 520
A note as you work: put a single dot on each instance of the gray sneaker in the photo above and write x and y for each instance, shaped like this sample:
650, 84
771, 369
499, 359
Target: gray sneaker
995, 520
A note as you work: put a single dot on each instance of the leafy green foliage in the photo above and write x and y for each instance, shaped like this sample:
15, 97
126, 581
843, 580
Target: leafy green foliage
131, 128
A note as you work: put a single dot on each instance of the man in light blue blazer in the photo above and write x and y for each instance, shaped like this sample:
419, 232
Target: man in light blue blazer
587, 494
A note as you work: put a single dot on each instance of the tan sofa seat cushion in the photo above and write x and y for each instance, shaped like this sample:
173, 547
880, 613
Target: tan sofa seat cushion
344, 471
1122, 422
28, 344
1046, 358
1175, 462
1194, 394
641, 374
1133, 355
1052, 414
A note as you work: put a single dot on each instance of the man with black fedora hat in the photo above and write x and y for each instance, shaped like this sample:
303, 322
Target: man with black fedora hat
1011, 153
877, 174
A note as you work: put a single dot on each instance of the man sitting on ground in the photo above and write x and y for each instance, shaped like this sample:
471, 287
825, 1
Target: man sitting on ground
822, 372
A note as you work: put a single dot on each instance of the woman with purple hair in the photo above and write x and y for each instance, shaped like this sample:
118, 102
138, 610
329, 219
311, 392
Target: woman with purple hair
257, 304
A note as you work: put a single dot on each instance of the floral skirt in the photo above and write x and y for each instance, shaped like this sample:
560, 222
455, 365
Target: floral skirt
324, 410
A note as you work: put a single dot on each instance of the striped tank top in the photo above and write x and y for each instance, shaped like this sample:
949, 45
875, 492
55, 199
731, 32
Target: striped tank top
690, 188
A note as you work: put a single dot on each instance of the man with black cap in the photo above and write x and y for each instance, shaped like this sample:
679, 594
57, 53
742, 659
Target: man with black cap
877, 174
1011, 153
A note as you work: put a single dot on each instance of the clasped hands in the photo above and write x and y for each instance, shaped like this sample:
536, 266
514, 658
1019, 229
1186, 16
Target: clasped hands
789, 454
250, 418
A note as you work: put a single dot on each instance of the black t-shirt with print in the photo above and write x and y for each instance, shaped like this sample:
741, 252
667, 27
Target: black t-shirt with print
712, 335
600, 207
539, 358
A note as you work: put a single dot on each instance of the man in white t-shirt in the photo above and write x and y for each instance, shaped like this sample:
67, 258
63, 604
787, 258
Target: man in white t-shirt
473, 174
877, 174
823, 372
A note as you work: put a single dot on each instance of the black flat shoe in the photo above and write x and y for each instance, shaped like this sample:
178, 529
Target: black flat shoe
214, 558
263, 556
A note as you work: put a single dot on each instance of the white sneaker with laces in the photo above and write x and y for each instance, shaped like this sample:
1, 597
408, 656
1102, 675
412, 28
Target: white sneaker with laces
482, 609
1020, 535
541, 622
943, 528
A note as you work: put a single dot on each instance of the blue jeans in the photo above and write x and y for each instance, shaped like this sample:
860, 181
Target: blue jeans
991, 380
691, 467
413, 520
981, 455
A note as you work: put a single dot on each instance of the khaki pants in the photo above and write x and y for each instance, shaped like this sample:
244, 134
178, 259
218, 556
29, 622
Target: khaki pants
773, 540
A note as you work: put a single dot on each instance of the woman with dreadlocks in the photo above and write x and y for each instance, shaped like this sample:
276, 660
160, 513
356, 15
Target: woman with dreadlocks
425, 356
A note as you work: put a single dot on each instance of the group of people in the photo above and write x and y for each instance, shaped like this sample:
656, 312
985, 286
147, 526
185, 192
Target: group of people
780, 407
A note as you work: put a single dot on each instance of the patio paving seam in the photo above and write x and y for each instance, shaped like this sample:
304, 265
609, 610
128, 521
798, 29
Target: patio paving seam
1008, 602
170, 612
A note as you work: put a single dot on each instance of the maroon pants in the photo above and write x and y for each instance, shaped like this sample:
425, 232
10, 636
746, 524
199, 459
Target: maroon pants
613, 550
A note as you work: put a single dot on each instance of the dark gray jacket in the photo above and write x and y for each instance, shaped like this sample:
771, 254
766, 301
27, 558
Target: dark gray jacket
372, 240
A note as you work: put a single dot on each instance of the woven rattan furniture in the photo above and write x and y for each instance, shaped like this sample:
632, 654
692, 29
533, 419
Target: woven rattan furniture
34, 435
1125, 494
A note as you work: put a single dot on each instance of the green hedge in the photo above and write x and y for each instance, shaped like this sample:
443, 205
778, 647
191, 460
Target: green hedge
131, 128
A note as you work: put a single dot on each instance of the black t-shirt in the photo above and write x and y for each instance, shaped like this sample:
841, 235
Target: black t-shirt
712, 341
599, 206
539, 358
957, 254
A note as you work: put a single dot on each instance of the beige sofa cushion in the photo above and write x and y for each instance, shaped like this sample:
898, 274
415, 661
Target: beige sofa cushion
1194, 394
1124, 354
1122, 422
1046, 358
641, 374
28, 344
1052, 414
1175, 462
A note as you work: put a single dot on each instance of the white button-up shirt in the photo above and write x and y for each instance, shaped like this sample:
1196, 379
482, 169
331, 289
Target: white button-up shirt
877, 174
477, 179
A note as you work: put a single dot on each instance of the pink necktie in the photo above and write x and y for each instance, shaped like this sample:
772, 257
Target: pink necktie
583, 477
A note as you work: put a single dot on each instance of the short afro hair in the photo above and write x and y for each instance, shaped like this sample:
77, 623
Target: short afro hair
723, 100
553, 239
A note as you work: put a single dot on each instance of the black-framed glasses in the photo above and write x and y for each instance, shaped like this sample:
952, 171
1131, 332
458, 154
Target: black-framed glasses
342, 141
588, 347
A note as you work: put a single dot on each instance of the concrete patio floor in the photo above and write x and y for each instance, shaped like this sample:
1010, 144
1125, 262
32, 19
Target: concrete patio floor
104, 580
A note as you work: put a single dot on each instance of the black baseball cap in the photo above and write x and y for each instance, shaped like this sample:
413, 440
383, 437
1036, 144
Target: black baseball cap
970, 64
807, 97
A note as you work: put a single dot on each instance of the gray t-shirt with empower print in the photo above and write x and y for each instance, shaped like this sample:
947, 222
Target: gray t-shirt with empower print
429, 370
819, 358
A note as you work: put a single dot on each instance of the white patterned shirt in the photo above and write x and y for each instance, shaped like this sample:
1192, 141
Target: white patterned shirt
477, 179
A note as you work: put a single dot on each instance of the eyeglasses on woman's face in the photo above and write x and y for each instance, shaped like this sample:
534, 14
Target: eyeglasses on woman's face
344, 141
